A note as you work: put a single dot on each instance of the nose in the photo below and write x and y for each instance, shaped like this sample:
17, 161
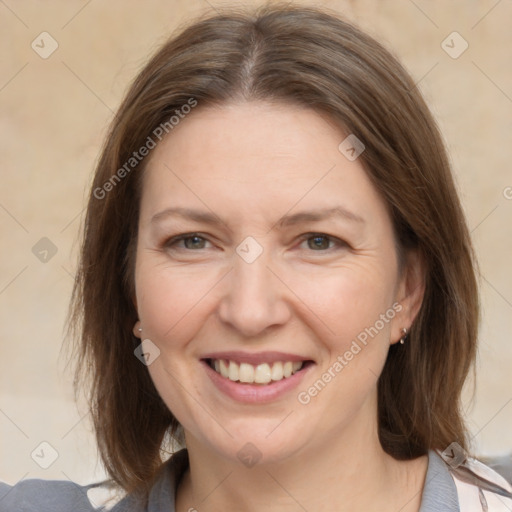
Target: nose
254, 298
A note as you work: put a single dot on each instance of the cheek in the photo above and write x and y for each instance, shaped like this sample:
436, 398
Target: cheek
348, 300
171, 301
353, 310
171, 304
356, 310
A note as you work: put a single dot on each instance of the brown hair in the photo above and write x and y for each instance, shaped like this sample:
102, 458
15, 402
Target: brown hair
312, 58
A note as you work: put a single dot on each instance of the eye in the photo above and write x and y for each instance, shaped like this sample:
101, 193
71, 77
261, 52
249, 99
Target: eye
192, 241
320, 242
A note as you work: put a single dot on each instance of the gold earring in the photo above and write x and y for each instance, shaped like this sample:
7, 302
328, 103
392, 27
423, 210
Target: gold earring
404, 336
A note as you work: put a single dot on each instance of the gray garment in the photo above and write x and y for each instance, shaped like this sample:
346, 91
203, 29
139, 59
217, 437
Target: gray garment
439, 493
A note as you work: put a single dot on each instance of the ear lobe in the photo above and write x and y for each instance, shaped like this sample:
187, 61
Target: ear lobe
137, 329
410, 292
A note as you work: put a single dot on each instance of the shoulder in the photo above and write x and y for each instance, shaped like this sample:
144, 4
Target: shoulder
474, 486
479, 485
44, 495
35, 495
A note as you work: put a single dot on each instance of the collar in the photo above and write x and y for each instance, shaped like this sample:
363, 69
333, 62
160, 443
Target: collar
439, 492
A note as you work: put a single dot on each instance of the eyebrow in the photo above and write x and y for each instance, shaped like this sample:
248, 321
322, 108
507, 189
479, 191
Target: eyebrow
187, 213
319, 215
285, 221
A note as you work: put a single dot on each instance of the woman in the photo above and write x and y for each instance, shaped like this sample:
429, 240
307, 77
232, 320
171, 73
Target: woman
276, 271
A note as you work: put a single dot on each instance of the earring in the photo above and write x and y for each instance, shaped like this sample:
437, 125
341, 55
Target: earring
404, 336
137, 330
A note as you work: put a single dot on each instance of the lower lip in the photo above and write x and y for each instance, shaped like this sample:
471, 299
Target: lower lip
255, 393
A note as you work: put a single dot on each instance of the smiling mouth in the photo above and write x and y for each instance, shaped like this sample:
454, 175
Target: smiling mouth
264, 373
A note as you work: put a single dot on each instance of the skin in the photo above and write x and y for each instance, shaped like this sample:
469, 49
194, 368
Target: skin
250, 164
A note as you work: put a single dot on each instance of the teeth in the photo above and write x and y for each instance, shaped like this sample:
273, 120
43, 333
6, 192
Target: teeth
233, 371
224, 369
261, 374
277, 371
246, 372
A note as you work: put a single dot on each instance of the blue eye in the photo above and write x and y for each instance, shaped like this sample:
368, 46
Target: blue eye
317, 242
190, 241
320, 242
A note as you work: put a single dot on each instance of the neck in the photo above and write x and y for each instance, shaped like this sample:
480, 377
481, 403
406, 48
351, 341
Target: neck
346, 472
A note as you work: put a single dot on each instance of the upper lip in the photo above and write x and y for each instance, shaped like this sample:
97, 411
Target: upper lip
256, 357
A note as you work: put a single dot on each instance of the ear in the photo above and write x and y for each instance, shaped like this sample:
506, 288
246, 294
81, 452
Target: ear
136, 332
137, 325
409, 295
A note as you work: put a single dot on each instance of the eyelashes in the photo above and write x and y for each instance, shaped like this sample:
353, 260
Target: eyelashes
173, 242
196, 242
319, 237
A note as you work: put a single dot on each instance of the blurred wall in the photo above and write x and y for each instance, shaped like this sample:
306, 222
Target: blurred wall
55, 108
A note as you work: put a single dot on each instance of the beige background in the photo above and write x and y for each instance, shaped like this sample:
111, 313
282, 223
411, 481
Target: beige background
54, 114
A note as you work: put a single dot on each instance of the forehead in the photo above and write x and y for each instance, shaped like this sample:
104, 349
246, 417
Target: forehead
271, 155
251, 133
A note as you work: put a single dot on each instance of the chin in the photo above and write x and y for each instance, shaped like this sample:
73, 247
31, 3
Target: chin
251, 445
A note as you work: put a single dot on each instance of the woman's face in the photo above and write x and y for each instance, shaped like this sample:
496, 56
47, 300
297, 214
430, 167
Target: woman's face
286, 280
